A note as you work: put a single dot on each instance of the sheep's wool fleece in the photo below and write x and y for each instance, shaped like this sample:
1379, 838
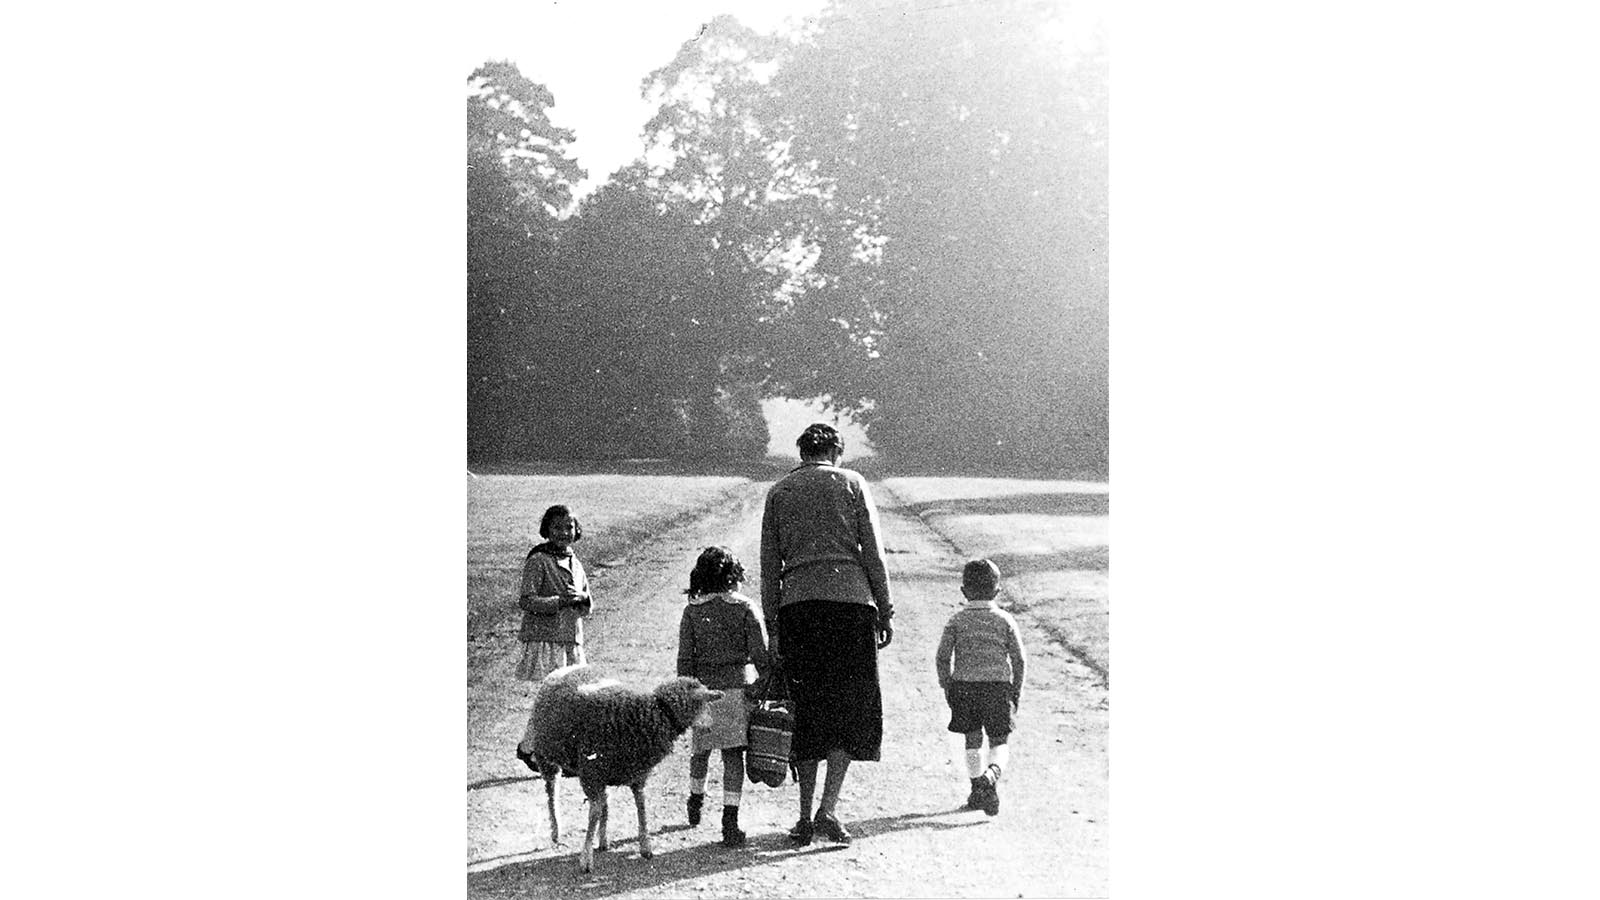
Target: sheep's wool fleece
607, 731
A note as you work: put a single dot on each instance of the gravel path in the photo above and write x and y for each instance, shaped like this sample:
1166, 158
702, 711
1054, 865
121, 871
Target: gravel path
1051, 838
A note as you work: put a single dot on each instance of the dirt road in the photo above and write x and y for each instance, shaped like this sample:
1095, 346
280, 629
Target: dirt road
1051, 838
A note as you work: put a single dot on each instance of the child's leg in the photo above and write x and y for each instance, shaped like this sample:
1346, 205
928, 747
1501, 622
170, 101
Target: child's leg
732, 785
699, 766
732, 776
997, 726
974, 741
974, 744
999, 753
699, 763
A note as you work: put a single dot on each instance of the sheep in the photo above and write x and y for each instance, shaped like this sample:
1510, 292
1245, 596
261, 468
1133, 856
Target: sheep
608, 735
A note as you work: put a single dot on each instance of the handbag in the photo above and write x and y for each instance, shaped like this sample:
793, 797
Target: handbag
769, 737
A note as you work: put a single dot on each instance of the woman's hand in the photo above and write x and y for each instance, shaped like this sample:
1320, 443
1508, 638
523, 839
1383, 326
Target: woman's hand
885, 633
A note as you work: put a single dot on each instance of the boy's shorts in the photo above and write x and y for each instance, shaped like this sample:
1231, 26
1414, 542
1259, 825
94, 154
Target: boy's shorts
981, 704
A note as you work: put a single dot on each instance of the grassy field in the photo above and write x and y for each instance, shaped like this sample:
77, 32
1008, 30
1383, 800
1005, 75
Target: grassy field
1050, 539
618, 510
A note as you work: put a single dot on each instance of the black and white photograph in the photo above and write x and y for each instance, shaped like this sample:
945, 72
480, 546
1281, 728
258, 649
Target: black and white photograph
788, 438
795, 332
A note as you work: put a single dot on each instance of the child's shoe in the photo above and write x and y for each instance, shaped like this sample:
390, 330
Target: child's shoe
991, 798
731, 835
975, 797
695, 800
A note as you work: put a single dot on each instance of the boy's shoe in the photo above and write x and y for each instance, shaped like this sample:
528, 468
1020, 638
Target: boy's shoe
695, 801
975, 797
831, 828
800, 834
991, 793
731, 835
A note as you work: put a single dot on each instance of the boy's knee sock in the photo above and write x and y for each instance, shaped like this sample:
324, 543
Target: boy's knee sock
697, 785
1000, 755
974, 762
730, 798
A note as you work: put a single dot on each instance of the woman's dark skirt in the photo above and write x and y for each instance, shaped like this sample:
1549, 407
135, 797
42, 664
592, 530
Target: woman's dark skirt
830, 657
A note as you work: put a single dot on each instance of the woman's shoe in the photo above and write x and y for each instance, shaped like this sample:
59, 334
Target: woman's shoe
831, 828
801, 833
695, 800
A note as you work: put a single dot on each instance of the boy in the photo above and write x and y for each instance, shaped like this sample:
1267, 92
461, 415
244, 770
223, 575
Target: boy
981, 665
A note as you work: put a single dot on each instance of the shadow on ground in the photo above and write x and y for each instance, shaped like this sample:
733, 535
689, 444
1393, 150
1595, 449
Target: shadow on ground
620, 870
500, 782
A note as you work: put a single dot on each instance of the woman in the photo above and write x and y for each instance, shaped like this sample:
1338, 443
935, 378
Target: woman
825, 596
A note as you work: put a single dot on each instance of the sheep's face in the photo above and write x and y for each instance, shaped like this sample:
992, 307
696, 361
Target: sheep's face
703, 698
692, 698
703, 719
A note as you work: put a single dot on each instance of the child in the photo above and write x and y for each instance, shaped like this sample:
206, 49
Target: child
720, 637
554, 598
981, 664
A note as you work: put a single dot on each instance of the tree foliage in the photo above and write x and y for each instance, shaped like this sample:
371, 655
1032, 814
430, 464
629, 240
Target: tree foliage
518, 175
971, 145
902, 209
507, 121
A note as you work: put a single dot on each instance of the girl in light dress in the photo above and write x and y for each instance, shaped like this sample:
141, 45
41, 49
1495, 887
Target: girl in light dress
554, 599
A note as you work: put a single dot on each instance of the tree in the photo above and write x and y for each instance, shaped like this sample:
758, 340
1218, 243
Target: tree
518, 177
968, 147
661, 343
714, 170
507, 120
902, 211
758, 222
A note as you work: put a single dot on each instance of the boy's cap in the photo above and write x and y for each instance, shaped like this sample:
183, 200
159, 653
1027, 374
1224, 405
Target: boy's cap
980, 575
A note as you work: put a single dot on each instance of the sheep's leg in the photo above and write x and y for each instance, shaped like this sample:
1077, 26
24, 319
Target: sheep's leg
644, 830
550, 776
597, 811
605, 822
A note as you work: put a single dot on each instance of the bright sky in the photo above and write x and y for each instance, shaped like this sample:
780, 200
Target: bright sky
593, 55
